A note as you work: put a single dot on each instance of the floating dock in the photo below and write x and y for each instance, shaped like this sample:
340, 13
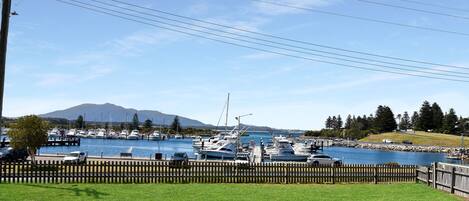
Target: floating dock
53, 142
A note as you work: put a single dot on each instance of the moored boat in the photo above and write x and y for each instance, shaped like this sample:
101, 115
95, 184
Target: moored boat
134, 135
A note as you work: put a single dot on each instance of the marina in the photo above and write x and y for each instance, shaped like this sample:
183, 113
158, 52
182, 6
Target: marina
146, 149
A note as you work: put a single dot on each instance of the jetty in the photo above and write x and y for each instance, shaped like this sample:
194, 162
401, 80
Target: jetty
73, 141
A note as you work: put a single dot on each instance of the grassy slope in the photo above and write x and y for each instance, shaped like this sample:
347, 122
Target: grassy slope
221, 192
420, 138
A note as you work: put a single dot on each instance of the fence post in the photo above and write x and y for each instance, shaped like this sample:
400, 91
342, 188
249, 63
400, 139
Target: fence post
333, 174
428, 176
435, 169
1, 171
285, 165
375, 174
453, 182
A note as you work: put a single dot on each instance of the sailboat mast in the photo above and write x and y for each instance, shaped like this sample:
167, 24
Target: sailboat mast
227, 108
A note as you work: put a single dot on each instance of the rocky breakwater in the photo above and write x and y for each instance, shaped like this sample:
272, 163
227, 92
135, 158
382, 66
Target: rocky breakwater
396, 147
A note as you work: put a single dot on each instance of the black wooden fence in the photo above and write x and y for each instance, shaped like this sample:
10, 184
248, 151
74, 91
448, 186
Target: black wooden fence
449, 177
200, 172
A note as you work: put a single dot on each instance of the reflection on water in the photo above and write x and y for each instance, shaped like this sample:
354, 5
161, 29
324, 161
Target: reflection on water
144, 148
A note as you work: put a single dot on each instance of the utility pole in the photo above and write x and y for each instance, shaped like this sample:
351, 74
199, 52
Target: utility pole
6, 9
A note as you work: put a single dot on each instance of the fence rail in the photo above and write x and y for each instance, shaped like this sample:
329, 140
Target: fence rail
199, 172
448, 177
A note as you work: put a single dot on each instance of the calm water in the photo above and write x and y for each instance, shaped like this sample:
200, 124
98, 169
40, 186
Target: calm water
144, 148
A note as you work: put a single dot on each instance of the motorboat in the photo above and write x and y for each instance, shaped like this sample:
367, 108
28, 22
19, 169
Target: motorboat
155, 136
222, 150
101, 134
81, 133
178, 136
123, 134
199, 143
91, 134
283, 151
134, 135
54, 133
112, 135
71, 133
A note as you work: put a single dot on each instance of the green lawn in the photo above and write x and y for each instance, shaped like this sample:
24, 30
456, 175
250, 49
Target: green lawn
419, 138
219, 192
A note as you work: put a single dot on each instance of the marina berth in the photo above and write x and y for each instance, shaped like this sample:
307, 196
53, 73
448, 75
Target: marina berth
157, 136
123, 134
134, 135
81, 134
91, 134
101, 134
224, 149
282, 150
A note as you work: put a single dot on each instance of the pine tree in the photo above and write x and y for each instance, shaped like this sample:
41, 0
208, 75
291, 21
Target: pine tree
366, 123
384, 120
450, 121
370, 119
147, 125
348, 122
437, 114
415, 121
176, 125
329, 122
426, 117
339, 123
405, 122
334, 122
80, 123
135, 122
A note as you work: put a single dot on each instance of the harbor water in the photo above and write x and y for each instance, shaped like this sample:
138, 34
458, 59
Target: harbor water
147, 149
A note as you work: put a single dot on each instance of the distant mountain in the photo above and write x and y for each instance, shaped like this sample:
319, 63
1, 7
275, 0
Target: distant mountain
113, 113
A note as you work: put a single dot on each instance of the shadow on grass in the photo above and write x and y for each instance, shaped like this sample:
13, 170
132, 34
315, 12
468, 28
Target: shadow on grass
77, 190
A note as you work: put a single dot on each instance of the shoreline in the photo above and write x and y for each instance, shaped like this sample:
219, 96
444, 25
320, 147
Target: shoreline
384, 146
396, 147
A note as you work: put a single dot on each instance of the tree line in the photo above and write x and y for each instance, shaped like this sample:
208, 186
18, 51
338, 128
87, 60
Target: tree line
429, 118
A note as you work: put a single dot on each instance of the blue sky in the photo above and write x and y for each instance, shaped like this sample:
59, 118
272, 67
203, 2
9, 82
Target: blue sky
60, 56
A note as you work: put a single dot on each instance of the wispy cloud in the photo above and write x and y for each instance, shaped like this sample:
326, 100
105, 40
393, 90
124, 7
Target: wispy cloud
60, 79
